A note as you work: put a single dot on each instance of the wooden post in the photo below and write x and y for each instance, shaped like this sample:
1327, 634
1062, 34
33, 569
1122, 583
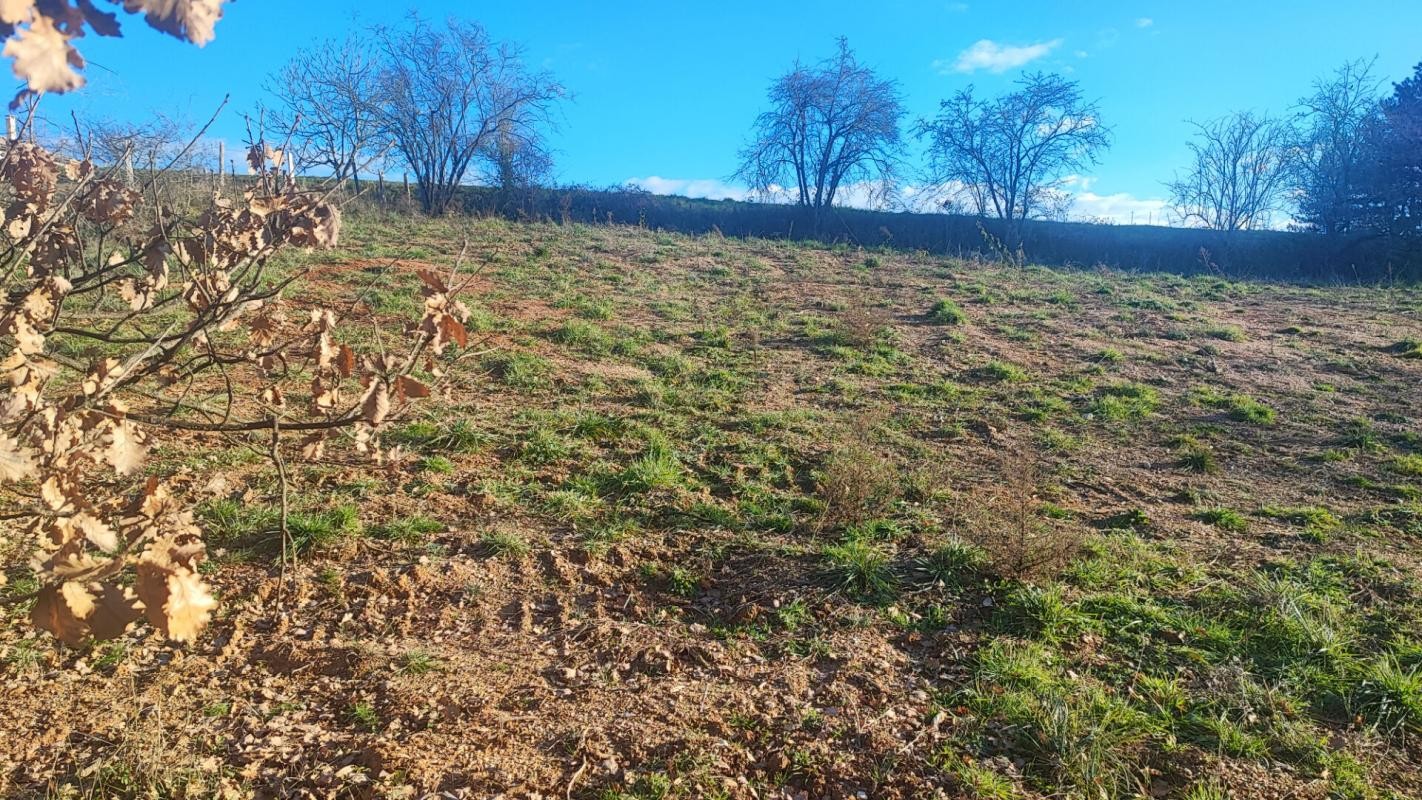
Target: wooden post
12, 129
221, 160
407, 186
128, 166
380, 187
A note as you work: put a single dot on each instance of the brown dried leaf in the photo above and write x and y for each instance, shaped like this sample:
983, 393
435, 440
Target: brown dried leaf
126, 451
16, 462
54, 613
43, 57
409, 388
375, 405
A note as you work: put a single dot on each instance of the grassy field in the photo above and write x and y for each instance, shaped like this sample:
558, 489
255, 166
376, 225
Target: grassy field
709, 518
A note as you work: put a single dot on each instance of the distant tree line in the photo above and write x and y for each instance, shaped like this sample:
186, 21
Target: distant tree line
443, 102
448, 105
1346, 165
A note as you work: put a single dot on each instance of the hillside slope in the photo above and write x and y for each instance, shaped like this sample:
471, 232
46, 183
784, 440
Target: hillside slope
714, 518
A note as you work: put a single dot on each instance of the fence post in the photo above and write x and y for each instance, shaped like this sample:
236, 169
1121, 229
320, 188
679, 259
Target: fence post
12, 129
221, 159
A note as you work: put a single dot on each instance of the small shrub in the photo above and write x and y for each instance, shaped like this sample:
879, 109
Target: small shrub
855, 484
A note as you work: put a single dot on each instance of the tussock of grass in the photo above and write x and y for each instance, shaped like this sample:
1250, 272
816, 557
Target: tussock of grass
946, 312
1125, 401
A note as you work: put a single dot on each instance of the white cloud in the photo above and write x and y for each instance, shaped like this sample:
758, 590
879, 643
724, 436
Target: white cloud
995, 57
1121, 208
708, 188
1144, 22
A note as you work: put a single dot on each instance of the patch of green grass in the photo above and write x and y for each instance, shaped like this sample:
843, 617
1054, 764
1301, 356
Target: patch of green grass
1407, 348
1312, 517
458, 436
520, 370
364, 716
1125, 401
409, 531
1003, 372
584, 336
954, 563
544, 446
438, 465
504, 543
226, 521
1389, 696
861, 569
1409, 465
1240, 407
1226, 519
418, 662
1228, 333
946, 312
314, 530
1244, 408
657, 468
1195, 455
587, 307
1038, 611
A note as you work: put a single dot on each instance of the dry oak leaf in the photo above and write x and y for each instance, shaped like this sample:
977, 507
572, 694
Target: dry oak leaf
409, 388
177, 601
126, 451
375, 406
16, 462
193, 20
13, 12
43, 57
61, 611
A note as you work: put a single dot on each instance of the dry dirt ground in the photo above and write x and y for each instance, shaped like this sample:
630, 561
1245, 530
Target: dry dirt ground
707, 518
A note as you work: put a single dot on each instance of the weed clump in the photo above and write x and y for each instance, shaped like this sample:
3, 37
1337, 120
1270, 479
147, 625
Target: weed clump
947, 312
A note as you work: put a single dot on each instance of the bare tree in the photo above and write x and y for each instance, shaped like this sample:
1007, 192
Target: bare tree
829, 126
1240, 174
1332, 146
325, 95
517, 160
1008, 157
446, 95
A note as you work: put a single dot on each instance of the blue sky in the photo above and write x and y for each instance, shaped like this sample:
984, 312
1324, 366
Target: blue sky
665, 92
